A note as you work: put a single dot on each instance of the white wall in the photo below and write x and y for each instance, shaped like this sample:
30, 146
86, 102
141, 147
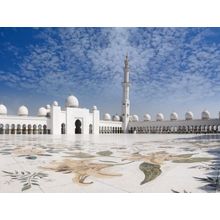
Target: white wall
95, 121
195, 122
110, 123
55, 114
27, 120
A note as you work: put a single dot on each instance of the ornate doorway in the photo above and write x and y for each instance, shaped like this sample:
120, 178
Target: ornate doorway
78, 127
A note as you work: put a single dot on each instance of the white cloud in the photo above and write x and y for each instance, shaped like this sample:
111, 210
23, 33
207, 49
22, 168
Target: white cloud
165, 63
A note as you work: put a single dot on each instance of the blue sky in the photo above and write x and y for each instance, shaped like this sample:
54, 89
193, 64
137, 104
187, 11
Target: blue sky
171, 69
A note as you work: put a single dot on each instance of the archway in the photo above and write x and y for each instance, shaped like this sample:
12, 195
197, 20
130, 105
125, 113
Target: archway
29, 129
24, 129
18, 129
44, 129
1, 129
13, 129
7, 129
78, 127
34, 129
90, 128
39, 129
63, 128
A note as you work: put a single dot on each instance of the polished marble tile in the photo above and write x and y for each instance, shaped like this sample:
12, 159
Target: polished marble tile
107, 163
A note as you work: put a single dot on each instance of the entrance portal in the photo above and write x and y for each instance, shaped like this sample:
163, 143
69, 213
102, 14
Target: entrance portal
78, 127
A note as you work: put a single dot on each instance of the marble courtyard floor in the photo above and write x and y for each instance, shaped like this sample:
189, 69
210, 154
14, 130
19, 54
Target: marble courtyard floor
110, 163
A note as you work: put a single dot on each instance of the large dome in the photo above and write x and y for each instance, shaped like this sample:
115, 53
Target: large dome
107, 117
205, 115
147, 117
189, 116
135, 118
3, 110
116, 118
173, 116
159, 117
22, 111
42, 112
72, 101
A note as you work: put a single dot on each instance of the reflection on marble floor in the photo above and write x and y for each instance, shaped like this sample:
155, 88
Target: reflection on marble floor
110, 163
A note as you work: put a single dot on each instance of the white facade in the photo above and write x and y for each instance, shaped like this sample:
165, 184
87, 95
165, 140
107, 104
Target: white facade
52, 120
72, 119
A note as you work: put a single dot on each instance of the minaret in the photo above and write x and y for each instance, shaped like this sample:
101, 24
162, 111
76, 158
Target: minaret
125, 100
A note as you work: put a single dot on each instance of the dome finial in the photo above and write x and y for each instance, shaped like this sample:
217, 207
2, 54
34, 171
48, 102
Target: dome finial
126, 60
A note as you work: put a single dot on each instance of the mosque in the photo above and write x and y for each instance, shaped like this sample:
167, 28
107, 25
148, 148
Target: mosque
73, 119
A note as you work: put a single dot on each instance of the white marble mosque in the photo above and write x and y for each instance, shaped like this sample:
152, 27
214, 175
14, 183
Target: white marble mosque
74, 119
180, 161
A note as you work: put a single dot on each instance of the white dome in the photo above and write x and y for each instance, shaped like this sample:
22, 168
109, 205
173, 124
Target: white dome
189, 116
72, 101
116, 118
42, 112
159, 117
135, 118
147, 117
47, 106
205, 115
107, 117
3, 110
55, 103
94, 107
173, 116
22, 111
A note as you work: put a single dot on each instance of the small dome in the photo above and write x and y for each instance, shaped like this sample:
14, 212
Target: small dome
159, 117
173, 116
135, 118
116, 118
22, 111
55, 103
107, 117
3, 110
147, 117
205, 115
42, 112
94, 107
47, 106
189, 116
72, 101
